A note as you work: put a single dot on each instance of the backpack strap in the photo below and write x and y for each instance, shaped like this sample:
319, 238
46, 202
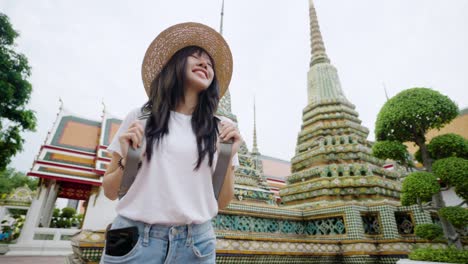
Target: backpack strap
130, 170
222, 164
132, 164
134, 156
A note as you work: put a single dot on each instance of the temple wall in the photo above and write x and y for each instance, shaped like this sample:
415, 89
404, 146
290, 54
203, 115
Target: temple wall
451, 198
100, 211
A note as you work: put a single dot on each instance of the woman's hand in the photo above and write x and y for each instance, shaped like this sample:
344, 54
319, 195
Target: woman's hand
229, 131
133, 135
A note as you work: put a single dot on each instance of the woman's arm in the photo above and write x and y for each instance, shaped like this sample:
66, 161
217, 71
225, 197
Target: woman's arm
227, 191
229, 131
113, 177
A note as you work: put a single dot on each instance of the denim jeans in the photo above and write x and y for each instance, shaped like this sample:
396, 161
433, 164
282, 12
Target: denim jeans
167, 244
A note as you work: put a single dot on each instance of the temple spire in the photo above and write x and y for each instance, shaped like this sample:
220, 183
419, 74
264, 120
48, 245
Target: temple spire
61, 104
103, 107
224, 107
222, 17
323, 82
255, 148
385, 90
318, 48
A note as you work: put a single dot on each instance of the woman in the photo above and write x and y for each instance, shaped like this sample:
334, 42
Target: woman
165, 217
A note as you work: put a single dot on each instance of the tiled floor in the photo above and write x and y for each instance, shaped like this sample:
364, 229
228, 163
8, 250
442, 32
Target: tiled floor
32, 260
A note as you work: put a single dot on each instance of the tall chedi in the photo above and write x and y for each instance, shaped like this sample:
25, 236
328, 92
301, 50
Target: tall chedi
333, 162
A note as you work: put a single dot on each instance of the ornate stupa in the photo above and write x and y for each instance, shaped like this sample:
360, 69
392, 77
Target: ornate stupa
333, 162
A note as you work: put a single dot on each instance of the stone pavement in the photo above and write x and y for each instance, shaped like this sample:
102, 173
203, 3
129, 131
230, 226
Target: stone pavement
32, 260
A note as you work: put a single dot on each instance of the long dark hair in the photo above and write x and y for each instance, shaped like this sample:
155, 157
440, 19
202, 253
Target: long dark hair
167, 91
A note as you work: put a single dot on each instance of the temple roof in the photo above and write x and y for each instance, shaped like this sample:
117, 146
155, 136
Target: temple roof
67, 126
109, 126
75, 149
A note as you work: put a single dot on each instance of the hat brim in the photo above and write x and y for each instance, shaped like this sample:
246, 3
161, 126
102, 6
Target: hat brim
179, 36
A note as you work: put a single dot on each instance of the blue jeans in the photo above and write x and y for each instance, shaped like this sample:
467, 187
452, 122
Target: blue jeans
167, 244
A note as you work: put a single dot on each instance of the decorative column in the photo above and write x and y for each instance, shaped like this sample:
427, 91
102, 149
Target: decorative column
33, 215
389, 224
49, 206
420, 216
354, 225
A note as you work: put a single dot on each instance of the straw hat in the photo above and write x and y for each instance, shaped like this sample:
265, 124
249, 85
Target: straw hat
179, 36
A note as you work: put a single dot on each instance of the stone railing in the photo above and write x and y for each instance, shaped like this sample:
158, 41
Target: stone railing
54, 234
44, 241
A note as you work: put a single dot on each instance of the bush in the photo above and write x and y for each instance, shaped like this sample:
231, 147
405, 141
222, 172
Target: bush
56, 212
453, 171
428, 231
18, 225
68, 212
66, 218
419, 184
448, 145
462, 191
456, 215
450, 254
393, 150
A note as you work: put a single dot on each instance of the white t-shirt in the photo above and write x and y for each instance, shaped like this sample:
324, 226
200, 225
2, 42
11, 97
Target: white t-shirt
167, 189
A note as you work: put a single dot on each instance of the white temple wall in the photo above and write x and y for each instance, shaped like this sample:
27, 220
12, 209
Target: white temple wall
100, 213
451, 198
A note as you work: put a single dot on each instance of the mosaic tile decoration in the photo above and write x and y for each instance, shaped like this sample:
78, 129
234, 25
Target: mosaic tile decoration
268, 259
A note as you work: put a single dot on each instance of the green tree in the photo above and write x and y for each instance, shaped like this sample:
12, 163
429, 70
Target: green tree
448, 145
428, 231
418, 187
408, 116
393, 150
454, 172
15, 92
457, 215
444, 146
11, 179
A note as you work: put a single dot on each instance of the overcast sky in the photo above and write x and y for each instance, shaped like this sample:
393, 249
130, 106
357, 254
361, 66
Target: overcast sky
87, 52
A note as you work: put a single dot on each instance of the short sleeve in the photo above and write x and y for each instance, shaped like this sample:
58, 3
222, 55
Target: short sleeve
114, 146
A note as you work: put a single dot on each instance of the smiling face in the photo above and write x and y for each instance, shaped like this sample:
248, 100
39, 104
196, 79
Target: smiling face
199, 72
